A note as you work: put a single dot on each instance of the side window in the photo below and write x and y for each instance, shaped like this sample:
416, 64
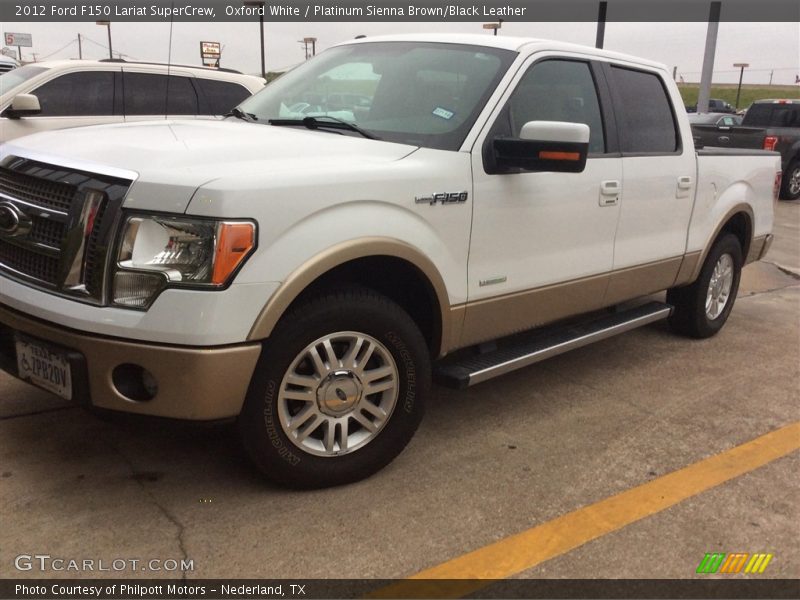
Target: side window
558, 90
220, 96
146, 94
90, 93
644, 113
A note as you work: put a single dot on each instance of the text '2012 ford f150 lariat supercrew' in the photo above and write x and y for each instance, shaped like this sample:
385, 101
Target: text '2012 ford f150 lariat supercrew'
393, 210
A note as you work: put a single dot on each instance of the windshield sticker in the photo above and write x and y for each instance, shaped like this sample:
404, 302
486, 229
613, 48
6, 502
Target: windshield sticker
443, 113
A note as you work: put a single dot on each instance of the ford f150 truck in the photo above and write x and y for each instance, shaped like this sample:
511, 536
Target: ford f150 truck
768, 124
481, 204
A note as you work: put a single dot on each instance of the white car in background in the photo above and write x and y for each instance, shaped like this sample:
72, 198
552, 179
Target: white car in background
7, 63
72, 93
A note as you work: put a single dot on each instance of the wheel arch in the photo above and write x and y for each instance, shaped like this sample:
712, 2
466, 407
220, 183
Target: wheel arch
415, 284
738, 221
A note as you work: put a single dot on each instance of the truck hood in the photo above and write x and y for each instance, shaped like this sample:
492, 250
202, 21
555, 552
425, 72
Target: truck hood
169, 160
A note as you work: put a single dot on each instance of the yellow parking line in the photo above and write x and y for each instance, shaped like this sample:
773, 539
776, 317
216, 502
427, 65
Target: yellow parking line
529, 548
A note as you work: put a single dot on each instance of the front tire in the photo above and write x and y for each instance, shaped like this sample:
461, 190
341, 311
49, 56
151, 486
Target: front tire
701, 309
338, 392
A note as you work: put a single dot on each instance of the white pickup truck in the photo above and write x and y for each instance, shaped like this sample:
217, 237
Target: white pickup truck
396, 209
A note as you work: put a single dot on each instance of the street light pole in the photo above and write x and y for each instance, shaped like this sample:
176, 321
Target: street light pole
741, 74
108, 25
259, 4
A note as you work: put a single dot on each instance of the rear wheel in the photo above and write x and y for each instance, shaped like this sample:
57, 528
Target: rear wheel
338, 391
790, 184
701, 309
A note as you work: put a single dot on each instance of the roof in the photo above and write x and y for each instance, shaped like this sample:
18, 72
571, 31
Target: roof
227, 74
505, 42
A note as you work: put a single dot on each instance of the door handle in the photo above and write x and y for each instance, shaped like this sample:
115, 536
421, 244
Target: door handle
609, 192
684, 182
724, 139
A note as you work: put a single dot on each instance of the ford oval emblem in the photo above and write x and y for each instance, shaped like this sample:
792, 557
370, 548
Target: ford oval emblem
13, 222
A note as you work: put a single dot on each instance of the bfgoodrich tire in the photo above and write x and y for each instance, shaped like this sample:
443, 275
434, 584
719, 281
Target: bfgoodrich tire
701, 309
338, 392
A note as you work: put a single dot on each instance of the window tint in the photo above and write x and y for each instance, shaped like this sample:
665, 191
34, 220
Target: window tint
558, 90
773, 115
90, 93
146, 94
220, 96
644, 113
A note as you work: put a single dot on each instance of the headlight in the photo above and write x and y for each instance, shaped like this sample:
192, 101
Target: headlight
160, 251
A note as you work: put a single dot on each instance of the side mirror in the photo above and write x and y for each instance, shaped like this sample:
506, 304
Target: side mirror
23, 105
544, 146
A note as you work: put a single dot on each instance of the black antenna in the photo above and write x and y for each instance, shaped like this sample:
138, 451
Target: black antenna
169, 57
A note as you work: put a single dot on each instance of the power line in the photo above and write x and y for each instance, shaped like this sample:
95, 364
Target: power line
64, 47
86, 37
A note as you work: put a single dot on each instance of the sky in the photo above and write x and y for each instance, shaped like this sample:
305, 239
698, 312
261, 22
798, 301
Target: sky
767, 47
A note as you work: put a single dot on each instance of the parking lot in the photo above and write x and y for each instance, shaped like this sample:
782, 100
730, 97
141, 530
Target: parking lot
498, 460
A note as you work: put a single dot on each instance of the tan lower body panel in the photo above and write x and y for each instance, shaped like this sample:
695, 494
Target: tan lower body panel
758, 248
505, 315
193, 383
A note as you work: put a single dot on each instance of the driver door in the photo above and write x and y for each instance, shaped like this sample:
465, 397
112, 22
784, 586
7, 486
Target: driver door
542, 243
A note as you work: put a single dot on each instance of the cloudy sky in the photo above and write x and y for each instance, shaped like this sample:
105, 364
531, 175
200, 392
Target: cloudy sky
768, 47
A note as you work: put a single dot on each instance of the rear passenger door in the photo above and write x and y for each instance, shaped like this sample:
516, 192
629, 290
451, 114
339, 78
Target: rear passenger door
659, 178
150, 96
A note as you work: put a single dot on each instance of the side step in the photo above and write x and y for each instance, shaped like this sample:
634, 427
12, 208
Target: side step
475, 369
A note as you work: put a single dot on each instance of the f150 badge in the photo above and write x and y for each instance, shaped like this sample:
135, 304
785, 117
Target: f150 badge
443, 198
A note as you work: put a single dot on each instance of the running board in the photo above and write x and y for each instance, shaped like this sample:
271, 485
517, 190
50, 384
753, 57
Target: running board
475, 369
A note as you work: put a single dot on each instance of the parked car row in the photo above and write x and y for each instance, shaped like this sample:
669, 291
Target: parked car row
769, 125
71, 93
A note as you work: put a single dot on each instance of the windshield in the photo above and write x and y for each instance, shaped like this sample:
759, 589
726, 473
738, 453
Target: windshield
424, 94
11, 79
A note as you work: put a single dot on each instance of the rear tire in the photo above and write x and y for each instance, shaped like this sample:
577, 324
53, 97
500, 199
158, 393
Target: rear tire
338, 392
701, 309
790, 183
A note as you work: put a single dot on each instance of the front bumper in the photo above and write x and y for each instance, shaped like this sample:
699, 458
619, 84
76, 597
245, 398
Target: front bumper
193, 383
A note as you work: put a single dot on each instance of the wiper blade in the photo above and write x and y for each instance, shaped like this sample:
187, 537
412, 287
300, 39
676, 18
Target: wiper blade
240, 114
333, 123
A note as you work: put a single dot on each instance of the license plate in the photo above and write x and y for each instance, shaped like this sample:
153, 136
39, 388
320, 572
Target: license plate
44, 367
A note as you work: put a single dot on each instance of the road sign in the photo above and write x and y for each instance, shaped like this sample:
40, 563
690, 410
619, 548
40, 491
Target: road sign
210, 53
18, 39
8, 52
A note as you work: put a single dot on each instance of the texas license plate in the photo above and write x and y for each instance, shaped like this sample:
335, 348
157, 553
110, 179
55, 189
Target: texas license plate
44, 367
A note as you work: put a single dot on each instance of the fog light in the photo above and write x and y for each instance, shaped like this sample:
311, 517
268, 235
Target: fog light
134, 382
137, 289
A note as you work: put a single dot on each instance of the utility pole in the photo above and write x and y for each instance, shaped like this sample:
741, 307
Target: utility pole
675, 73
80, 47
741, 74
771, 73
708, 59
601, 25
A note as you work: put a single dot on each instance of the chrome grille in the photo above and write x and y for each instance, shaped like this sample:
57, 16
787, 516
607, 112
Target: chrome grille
41, 192
56, 226
23, 261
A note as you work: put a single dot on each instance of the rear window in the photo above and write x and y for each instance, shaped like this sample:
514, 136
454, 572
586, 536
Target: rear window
220, 96
645, 117
773, 115
146, 94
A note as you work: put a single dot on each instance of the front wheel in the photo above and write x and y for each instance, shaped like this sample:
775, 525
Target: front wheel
701, 309
338, 391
